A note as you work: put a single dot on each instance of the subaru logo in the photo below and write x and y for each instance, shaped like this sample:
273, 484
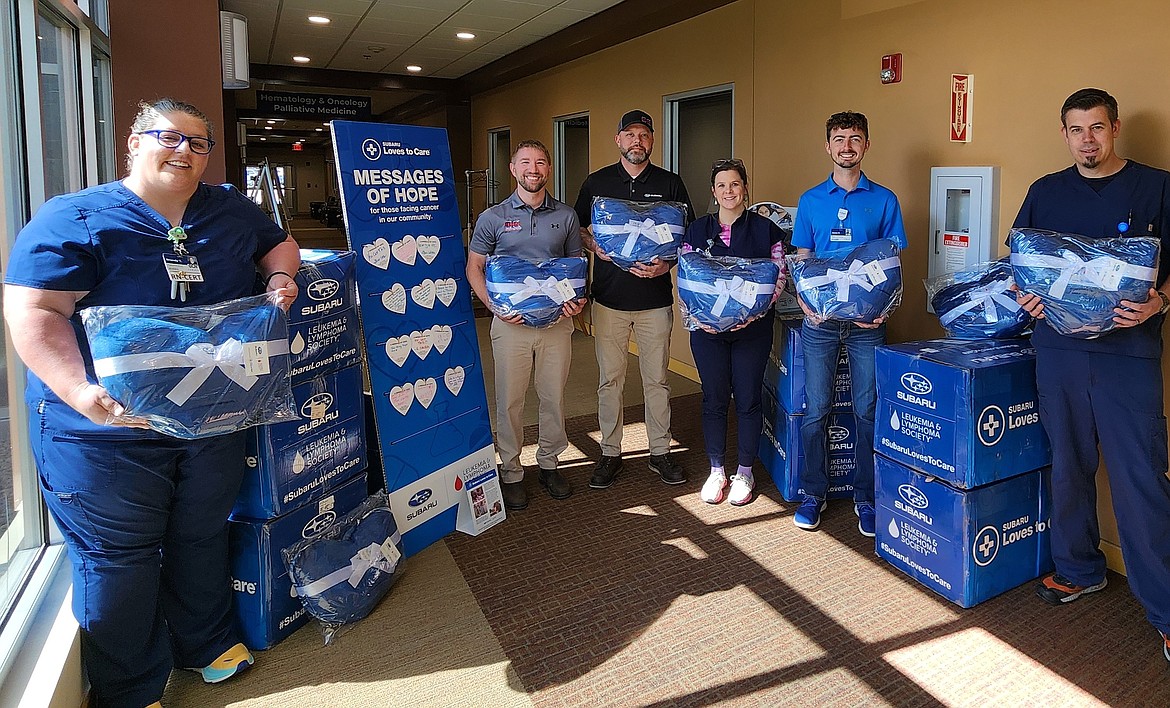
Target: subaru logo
371, 149
420, 497
916, 383
323, 289
318, 523
838, 433
913, 496
316, 406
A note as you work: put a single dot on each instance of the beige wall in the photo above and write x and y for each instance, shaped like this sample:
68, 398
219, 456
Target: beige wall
810, 58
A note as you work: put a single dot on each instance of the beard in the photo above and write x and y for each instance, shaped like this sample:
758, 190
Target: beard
1090, 162
846, 164
636, 156
532, 183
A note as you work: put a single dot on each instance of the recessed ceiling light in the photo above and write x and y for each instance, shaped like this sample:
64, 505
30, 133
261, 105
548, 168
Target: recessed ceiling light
271, 122
301, 60
414, 68
268, 127
263, 138
320, 129
319, 19
465, 35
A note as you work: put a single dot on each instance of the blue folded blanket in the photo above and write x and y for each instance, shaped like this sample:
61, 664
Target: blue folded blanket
342, 573
638, 232
857, 286
194, 372
1080, 280
722, 292
535, 291
978, 303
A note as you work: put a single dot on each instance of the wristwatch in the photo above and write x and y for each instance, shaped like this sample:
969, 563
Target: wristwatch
1165, 303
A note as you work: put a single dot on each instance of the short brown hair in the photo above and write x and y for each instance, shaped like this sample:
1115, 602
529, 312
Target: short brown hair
535, 145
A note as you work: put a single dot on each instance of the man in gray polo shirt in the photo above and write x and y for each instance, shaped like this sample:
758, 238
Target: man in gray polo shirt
532, 225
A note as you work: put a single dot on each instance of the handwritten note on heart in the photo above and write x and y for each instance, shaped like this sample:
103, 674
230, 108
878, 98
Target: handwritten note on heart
424, 294
441, 337
454, 379
394, 299
428, 248
401, 397
405, 250
420, 343
377, 253
445, 290
424, 391
398, 349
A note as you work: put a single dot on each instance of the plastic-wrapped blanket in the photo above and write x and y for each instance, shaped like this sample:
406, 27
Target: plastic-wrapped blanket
535, 291
857, 286
1080, 280
342, 573
722, 292
978, 303
638, 232
194, 372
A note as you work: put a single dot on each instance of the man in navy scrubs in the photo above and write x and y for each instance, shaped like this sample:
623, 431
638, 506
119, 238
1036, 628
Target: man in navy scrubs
1108, 389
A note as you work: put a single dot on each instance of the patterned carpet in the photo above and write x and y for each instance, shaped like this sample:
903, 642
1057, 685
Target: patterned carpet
643, 595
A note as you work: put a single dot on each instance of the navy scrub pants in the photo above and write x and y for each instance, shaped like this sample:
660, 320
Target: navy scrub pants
733, 363
145, 522
1086, 398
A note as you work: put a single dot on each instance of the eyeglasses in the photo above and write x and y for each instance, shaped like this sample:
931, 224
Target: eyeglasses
729, 162
172, 139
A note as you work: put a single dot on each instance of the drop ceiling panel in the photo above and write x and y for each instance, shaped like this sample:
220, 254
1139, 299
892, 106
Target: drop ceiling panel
328, 8
502, 8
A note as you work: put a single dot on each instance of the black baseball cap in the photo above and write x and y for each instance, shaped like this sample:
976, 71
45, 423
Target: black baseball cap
636, 116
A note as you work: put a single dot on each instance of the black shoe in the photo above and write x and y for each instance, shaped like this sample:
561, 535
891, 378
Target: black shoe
1057, 590
515, 498
666, 468
556, 484
606, 472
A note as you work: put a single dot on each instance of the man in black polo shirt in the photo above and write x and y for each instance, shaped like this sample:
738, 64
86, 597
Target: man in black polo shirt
640, 301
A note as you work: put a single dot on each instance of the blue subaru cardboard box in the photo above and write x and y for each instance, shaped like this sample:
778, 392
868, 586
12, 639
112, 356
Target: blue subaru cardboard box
967, 545
267, 609
784, 372
293, 463
781, 454
964, 411
323, 328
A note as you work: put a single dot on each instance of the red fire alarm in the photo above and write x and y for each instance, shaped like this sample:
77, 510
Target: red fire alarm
297, 147
891, 68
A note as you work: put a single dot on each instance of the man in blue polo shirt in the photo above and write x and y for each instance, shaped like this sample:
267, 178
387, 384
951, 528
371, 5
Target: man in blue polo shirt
1107, 390
840, 214
528, 224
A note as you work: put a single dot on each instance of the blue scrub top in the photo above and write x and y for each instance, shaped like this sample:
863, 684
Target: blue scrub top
871, 211
109, 243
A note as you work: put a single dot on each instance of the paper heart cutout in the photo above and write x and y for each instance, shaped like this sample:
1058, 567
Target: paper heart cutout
425, 390
420, 343
441, 337
377, 253
398, 349
424, 294
454, 379
394, 299
401, 397
405, 250
428, 247
445, 289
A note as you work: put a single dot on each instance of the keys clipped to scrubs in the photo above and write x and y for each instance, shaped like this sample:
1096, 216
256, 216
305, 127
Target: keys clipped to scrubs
182, 267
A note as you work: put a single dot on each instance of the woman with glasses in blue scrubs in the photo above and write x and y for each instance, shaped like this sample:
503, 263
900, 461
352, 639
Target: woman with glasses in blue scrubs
144, 515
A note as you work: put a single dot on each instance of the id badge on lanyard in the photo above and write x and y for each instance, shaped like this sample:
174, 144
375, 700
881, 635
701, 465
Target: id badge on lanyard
841, 234
182, 267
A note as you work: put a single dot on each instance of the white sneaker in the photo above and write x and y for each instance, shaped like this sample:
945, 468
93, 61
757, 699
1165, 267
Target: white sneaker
713, 488
741, 488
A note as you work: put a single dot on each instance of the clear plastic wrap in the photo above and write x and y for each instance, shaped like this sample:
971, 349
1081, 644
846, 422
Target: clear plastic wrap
721, 293
194, 372
342, 573
978, 303
781, 216
1080, 280
638, 232
854, 286
535, 291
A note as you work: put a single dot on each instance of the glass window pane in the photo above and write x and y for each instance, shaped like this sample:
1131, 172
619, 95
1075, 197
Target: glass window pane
60, 125
104, 119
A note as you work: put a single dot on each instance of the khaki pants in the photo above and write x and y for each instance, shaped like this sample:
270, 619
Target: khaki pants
611, 333
515, 348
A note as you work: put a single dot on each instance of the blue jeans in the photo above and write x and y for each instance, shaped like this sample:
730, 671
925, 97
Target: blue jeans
145, 522
821, 345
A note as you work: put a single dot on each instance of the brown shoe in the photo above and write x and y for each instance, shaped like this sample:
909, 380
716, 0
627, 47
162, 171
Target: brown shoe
515, 498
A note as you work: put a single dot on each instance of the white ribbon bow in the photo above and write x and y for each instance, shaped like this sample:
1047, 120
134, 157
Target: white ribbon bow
533, 288
370, 557
855, 274
360, 563
202, 358
633, 228
735, 288
638, 228
1104, 272
987, 297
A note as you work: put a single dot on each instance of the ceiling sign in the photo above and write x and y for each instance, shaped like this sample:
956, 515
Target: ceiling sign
313, 106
